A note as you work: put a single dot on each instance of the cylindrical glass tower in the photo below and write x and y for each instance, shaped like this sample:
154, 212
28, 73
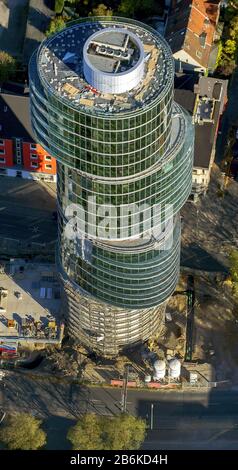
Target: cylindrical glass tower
102, 105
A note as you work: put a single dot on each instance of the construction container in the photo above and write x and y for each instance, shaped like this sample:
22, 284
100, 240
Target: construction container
159, 369
174, 368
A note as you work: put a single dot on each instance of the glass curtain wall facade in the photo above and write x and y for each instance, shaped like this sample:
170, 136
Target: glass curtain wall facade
129, 151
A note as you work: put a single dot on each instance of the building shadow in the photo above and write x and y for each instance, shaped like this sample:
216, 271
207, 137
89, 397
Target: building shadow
16, 27
56, 428
195, 257
192, 422
38, 19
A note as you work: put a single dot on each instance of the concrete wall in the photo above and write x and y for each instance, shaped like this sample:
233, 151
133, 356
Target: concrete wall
187, 62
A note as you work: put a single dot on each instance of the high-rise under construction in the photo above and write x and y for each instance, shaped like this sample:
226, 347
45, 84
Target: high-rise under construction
102, 105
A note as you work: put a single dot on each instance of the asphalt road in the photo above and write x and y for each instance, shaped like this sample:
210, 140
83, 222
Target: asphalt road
26, 211
181, 420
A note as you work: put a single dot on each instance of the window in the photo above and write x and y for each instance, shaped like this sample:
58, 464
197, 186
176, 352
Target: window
48, 167
2, 151
2, 160
2, 142
48, 158
33, 147
34, 156
199, 54
34, 165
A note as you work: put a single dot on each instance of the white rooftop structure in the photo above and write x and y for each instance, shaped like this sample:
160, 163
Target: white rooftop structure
113, 60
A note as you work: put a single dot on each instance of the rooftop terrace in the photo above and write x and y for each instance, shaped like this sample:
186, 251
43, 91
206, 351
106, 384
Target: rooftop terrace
60, 64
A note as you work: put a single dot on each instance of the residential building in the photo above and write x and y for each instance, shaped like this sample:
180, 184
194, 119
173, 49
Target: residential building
205, 103
20, 155
191, 30
102, 104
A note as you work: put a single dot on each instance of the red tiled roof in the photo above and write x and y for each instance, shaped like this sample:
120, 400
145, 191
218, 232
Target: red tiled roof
191, 26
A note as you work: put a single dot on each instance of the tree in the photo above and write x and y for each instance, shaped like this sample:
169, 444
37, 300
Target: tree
233, 261
22, 432
86, 434
138, 8
226, 69
59, 5
7, 66
56, 25
233, 31
93, 432
229, 47
124, 432
127, 8
231, 10
101, 10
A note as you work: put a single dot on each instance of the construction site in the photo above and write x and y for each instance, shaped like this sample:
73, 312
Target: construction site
29, 307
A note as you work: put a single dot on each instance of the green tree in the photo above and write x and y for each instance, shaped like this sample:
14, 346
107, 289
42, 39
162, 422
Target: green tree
22, 432
231, 10
59, 5
56, 25
127, 8
93, 432
229, 47
233, 32
7, 66
124, 432
233, 261
86, 434
101, 10
140, 8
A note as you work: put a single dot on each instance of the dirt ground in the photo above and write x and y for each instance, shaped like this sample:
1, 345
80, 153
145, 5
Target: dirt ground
209, 228
209, 232
216, 327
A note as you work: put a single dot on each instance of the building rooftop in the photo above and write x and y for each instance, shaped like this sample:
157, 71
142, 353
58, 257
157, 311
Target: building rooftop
31, 291
15, 117
204, 110
213, 88
61, 64
186, 80
204, 135
185, 98
191, 26
205, 104
113, 52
